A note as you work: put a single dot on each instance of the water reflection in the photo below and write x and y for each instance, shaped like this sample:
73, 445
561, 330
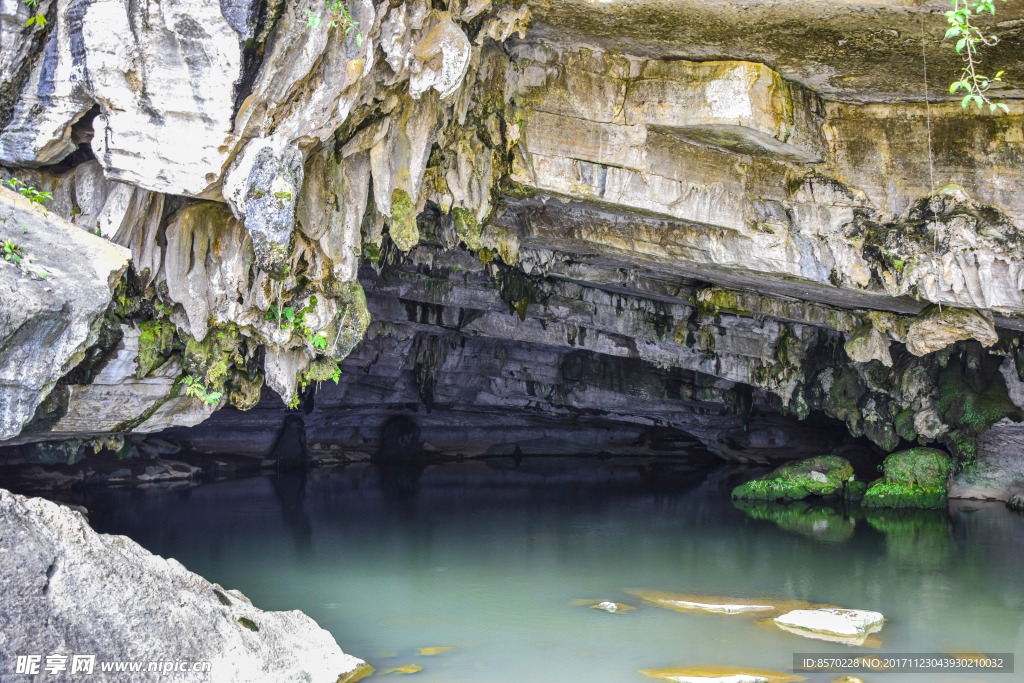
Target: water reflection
290, 488
922, 537
490, 560
814, 520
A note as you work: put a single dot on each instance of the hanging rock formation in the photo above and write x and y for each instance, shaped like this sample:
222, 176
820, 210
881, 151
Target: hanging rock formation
553, 226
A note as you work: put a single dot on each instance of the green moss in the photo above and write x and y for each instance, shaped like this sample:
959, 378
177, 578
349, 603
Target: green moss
843, 399
403, 230
371, 252
322, 369
467, 228
210, 359
905, 425
820, 476
249, 624
518, 191
854, 490
245, 392
156, 342
961, 405
916, 478
354, 318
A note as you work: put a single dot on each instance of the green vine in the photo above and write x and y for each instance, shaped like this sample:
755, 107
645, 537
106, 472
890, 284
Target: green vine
970, 39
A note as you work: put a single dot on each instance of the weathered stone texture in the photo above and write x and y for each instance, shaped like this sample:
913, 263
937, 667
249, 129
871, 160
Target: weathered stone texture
69, 590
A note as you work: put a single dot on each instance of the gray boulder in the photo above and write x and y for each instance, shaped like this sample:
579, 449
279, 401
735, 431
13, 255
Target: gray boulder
51, 304
69, 590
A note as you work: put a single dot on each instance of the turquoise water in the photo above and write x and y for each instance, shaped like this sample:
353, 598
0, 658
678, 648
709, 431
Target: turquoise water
489, 562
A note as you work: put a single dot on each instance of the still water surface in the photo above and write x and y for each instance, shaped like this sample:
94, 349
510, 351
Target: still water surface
489, 563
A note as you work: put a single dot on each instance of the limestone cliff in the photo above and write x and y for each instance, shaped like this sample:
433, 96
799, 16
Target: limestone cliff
708, 220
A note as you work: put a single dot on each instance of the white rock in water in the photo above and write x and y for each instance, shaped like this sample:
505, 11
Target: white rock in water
718, 609
69, 590
832, 622
738, 678
608, 606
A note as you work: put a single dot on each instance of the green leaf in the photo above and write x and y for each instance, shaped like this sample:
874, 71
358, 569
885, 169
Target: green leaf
965, 101
1003, 107
960, 44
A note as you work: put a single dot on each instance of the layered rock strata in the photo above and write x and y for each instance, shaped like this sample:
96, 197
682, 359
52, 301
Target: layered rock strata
544, 225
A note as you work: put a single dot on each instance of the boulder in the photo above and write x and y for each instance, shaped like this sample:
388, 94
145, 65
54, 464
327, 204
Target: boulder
998, 472
830, 623
939, 326
821, 476
51, 305
917, 478
69, 590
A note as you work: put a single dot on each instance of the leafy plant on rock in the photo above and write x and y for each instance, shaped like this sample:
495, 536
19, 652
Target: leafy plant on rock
970, 39
339, 18
28, 191
289, 318
194, 387
36, 18
13, 253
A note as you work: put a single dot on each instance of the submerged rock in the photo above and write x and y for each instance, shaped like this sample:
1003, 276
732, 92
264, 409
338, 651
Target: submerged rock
719, 604
821, 476
917, 478
836, 625
407, 669
70, 590
720, 674
611, 607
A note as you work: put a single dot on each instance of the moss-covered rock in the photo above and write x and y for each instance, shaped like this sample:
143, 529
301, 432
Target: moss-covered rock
404, 232
854, 490
210, 360
467, 227
971, 400
245, 392
323, 369
820, 476
156, 342
937, 327
353, 318
917, 478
